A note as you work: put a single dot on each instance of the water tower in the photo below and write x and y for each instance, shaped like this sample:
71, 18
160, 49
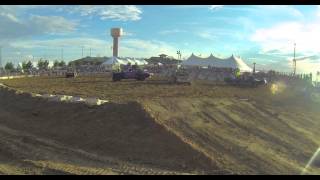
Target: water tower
116, 33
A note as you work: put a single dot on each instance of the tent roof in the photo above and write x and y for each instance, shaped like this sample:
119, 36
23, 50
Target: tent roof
119, 60
231, 62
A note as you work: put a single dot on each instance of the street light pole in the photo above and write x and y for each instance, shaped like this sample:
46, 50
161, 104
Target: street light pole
82, 52
179, 54
294, 60
62, 54
0, 56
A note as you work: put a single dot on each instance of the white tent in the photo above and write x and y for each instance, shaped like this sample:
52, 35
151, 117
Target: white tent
231, 62
140, 61
194, 60
116, 61
237, 62
112, 61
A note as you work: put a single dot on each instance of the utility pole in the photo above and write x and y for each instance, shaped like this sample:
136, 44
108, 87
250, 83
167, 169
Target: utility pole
294, 60
62, 54
179, 54
0, 56
82, 52
254, 68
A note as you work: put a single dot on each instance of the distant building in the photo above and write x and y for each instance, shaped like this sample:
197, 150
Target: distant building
163, 59
163, 56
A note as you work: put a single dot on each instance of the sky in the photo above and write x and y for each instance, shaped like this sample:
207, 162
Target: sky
261, 34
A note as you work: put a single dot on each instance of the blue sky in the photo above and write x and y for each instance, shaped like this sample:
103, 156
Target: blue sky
261, 34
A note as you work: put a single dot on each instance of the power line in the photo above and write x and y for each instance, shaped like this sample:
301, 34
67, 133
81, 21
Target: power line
61, 53
82, 52
0, 56
294, 60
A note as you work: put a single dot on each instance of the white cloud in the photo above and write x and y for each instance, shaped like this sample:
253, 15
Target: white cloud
274, 10
72, 47
143, 48
278, 41
58, 43
207, 35
215, 7
108, 12
211, 7
126, 33
52, 24
305, 65
282, 37
187, 6
171, 31
216, 33
9, 16
15, 26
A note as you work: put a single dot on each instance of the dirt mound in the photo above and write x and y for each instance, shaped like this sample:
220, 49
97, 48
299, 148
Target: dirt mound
271, 129
243, 136
124, 132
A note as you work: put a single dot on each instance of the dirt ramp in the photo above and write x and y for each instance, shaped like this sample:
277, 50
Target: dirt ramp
242, 136
121, 131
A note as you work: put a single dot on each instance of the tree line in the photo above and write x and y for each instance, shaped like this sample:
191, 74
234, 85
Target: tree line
28, 65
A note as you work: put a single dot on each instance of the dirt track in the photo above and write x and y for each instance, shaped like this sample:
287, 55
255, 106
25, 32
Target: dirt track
157, 128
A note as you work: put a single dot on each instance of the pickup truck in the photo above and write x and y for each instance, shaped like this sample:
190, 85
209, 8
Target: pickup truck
130, 74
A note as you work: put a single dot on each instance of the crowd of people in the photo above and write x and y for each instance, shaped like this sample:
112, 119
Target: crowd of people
210, 73
194, 72
60, 71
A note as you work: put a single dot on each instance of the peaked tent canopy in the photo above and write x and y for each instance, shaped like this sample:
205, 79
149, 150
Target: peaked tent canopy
231, 62
124, 61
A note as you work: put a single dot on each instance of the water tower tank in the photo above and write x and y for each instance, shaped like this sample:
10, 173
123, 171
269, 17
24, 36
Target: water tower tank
116, 32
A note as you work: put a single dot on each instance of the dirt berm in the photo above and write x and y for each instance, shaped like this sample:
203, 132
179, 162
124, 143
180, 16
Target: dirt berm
243, 136
121, 132
158, 127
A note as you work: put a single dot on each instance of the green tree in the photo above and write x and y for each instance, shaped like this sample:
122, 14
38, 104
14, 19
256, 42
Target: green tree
19, 68
62, 64
46, 64
56, 64
43, 64
59, 64
40, 64
27, 66
24, 66
9, 67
